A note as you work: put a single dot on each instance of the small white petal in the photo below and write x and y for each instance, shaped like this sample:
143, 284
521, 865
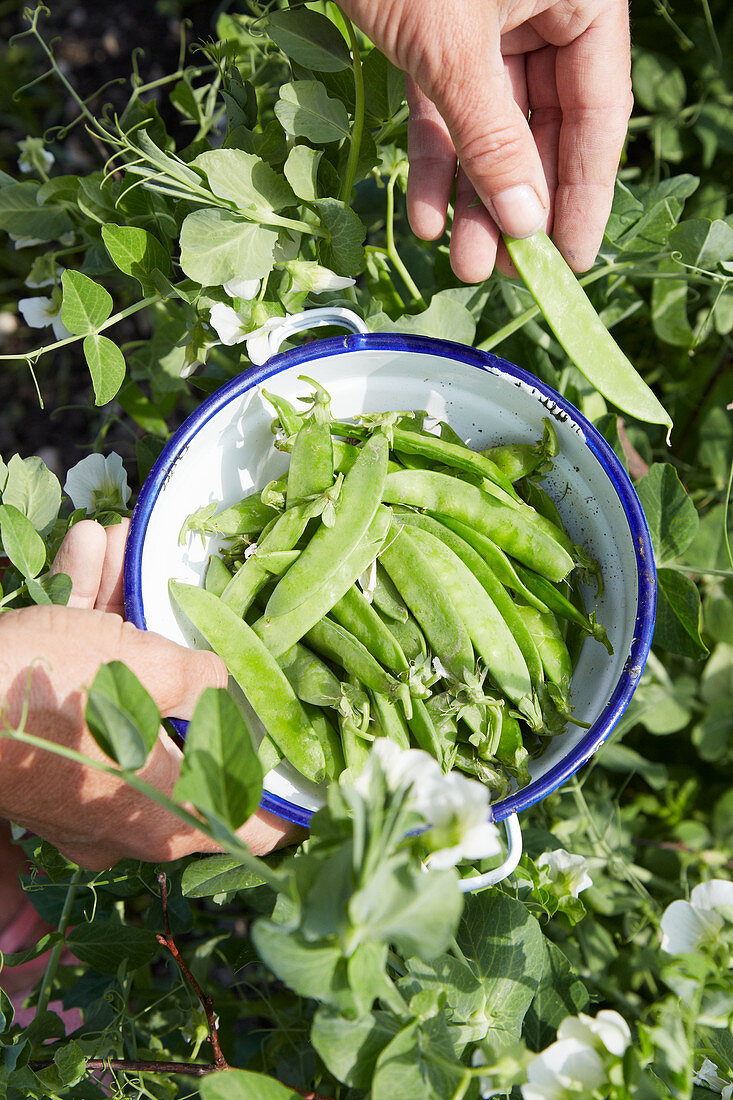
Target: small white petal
37, 312
98, 481
242, 288
60, 330
727, 1093
684, 927
368, 581
24, 242
307, 275
258, 341
227, 323
715, 894
708, 1075
50, 280
566, 1064
566, 869
608, 1029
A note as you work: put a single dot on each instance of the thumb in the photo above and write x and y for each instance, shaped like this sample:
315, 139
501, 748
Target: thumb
490, 132
173, 675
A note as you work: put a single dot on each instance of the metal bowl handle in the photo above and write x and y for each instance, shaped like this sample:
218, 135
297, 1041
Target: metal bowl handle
514, 854
314, 318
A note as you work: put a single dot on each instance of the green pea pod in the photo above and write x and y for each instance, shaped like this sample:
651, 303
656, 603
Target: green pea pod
217, 576
409, 636
311, 461
258, 675
571, 316
245, 519
496, 559
511, 751
422, 591
311, 680
390, 720
334, 642
444, 453
269, 754
330, 741
426, 736
355, 509
290, 419
561, 606
280, 632
386, 598
517, 460
490, 634
550, 645
512, 529
357, 615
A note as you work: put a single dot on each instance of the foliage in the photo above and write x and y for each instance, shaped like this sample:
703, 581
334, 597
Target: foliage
340, 967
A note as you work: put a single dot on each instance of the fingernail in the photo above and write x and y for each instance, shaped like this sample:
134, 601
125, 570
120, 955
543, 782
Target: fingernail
519, 211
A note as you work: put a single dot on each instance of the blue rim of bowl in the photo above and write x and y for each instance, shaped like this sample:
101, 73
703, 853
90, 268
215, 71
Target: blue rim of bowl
643, 550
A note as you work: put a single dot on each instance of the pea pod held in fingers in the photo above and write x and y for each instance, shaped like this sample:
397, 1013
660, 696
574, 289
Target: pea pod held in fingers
355, 509
511, 529
258, 675
571, 316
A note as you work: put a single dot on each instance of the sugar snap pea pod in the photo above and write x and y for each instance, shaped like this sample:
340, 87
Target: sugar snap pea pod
512, 529
385, 596
354, 715
562, 607
245, 519
360, 497
280, 632
334, 642
496, 559
518, 460
311, 460
425, 734
546, 508
258, 675
409, 635
492, 637
311, 680
571, 316
268, 753
450, 435
442, 452
290, 419
493, 587
344, 455
357, 615
511, 751
390, 720
422, 591
217, 576
330, 740
550, 645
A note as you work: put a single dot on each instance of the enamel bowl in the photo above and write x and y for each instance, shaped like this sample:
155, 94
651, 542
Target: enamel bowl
224, 451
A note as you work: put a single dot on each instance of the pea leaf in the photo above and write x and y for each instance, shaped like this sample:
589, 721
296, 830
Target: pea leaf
305, 109
217, 875
311, 968
418, 1064
384, 86
301, 171
309, 38
560, 993
659, 84
677, 627
21, 542
105, 944
669, 308
85, 305
702, 243
220, 771
241, 1084
33, 489
3, 475
106, 366
71, 1063
217, 246
122, 717
671, 515
21, 214
244, 179
135, 252
342, 251
350, 1047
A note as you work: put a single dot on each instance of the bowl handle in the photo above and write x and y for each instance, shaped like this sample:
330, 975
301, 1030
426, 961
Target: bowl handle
514, 853
314, 318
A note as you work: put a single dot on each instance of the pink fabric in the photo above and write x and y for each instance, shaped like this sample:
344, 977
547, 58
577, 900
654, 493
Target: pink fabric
24, 930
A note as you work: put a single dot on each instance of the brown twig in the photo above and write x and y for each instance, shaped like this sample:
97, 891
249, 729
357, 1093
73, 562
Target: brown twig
220, 1061
124, 1065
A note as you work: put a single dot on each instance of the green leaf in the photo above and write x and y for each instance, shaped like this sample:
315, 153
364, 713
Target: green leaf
245, 180
419, 1064
217, 246
311, 968
384, 86
444, 315
21, 542
677, 627
450, 977
669, 308
220, 771
702, 243
7, 1012
85, 305
21, 214
33, 489
44, 944
301, 171
135, 252
349, 1047
71, 1063
627, 761
217, 875
305, 109
105, 944
106, 366
560, 993
658, 83
671, 515
240, 1084
3, 475
309, 38
122, 717
343, 251
503, 945
712, 735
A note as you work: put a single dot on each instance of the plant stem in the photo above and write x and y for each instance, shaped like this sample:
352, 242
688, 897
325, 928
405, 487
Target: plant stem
358, 127
44, 994
392, 252
33, 356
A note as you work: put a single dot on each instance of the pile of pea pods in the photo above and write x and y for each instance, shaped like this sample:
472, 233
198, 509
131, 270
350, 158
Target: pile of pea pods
396, 583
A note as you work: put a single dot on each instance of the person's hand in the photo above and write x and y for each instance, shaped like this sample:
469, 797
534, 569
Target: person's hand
477, 70
48, 657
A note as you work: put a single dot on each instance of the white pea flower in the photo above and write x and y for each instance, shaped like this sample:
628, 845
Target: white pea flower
411, 768
566, 871
608, 1030
707, 1075
688, 924
8, 323
461, 825
44, 273
33, 156
98, 483
307, 275
568, 1068
242, 288
258, 341
229, 326
40, 312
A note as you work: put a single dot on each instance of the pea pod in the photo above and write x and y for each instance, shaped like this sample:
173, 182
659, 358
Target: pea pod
550, 645
391, 722
329, 738
217, 576
386, 598
290, 420
427, 737
511, 529
571, 316
517, 460
338, 645
355, 509
445, 453
561, 606
258, 675
311, 680
311, 460
496, 559
356, 615
245, 519
409, 636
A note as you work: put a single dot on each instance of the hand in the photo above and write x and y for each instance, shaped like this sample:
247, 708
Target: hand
50, 655
476, 70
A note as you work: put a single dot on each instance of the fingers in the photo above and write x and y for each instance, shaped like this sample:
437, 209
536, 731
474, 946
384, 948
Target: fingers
81, 556
594, 90
474, 235
109, 597
432, 165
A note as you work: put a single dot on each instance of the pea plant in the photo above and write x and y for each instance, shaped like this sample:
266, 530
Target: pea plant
264, 175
